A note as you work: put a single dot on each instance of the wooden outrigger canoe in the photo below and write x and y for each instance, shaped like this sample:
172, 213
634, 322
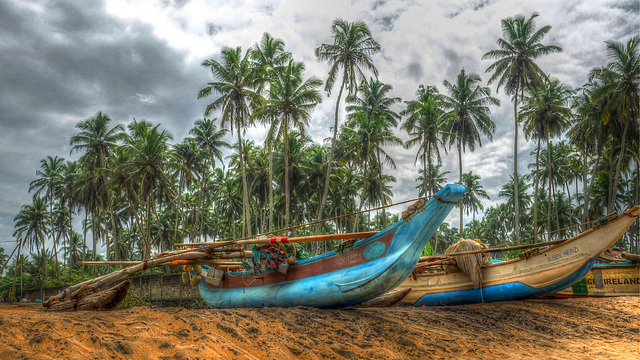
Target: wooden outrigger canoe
551, 270
372, 267
604, 280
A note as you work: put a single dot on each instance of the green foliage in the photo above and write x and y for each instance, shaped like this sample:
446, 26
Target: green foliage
131, 300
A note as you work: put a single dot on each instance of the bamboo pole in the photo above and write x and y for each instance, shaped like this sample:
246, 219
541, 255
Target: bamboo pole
283, 240
492, 250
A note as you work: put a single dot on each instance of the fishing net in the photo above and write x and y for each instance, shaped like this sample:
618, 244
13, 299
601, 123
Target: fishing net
278, 256
470, 264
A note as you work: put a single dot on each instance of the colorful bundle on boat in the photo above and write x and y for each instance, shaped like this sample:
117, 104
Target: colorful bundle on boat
278, 256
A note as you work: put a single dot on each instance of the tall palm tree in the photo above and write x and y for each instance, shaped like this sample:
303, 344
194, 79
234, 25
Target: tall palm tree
425, 127
473, 191
508, 190
209, 139
352, 49
150, 157
468, 115
516, 70
433, 178
546, 114
235, 81
31, 225
50, 181
97, 140
291, 100
372, 101
622, 87
189, 168
269, 58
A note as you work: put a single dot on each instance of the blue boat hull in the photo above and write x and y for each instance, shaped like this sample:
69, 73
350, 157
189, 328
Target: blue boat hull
373, 267
503, 292
551, 270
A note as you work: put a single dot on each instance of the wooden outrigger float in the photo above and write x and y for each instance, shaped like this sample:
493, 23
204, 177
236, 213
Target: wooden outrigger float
360, 271
550, 270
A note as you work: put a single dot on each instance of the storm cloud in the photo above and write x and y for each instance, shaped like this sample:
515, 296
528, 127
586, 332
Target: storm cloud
63, 61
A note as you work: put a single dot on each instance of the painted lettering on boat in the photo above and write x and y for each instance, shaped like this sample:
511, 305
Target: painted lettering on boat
350, 258
617, 281
560, 255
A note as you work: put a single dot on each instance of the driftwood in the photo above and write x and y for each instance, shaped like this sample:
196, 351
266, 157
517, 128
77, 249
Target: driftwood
96, 301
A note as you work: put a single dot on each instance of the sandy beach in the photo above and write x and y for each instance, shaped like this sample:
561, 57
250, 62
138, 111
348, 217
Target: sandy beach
586, 328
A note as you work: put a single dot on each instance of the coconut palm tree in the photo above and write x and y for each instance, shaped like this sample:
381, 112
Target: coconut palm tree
291, 100
209, 140
425, 127
235, 81
269, 58
50, 181
434, 179
147, 166
190, 167
31, 225
508, 191
468, 115
473, 191
352, 49
97, 140
515, 70
372, 101
546, 114
366, 136
622, 88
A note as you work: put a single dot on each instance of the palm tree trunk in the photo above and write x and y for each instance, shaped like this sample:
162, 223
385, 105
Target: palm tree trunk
587, 197
84, 243
245, 194
384, 200
516, 200
364, 193
160, 232
95, 240
53, 232
333, 146
270, 145
614, 191
460, 181
549, 183
535, 195
287, 199
15, 270
179, 207
426, 158
585, 211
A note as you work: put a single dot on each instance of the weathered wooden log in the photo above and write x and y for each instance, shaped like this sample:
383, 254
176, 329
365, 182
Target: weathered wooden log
629, 256
94, 284
96, 301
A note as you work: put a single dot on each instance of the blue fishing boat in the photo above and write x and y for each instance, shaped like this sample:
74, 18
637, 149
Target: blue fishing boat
551, 270
371, 267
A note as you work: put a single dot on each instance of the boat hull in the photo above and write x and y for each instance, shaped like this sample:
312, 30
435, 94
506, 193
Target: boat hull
554, 269
373, 266
604, 280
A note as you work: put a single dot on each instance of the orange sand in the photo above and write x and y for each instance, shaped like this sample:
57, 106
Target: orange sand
551, 329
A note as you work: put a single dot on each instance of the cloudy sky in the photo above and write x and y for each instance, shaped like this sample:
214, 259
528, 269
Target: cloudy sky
63, 61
